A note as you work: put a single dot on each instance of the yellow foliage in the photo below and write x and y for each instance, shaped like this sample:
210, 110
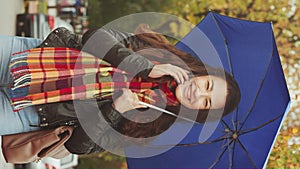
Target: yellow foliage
284, 155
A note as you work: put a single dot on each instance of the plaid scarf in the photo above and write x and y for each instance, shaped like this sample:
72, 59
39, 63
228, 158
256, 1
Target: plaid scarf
47, 75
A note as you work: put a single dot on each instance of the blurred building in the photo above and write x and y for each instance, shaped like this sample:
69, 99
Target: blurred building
40, 17
72, 11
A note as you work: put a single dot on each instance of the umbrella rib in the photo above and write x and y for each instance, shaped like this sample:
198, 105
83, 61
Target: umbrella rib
229, 155
191, 144
258, 91
206, 142
232, 156
226, 46
233, 124
236, 118
260, 126
247, 153
219, 156
224, 123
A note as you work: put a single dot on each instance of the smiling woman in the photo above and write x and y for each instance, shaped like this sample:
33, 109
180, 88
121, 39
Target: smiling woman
168, 78
203, 92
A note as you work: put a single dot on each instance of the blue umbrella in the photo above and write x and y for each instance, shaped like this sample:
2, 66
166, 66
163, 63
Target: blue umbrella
244, 138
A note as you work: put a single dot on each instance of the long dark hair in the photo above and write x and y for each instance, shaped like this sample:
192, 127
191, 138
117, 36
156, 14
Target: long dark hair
172, 56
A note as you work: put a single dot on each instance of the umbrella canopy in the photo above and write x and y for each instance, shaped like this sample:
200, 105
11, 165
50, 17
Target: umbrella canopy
244, 138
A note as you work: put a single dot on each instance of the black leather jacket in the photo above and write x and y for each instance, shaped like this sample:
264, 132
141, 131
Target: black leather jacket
68, 112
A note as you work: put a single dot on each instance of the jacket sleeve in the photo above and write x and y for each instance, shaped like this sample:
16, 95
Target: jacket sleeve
112, 46
95, 132
97, 129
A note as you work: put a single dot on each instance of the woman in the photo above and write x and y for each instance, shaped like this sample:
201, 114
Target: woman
116, 44
198, 93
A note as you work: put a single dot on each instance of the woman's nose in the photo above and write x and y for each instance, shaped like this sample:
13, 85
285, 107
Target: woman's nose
201, 93
204, 93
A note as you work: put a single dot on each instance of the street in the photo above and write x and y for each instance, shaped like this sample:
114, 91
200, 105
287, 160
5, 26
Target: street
8, 11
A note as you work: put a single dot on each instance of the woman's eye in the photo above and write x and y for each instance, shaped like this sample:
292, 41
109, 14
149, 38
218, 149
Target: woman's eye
207, 85
206, 103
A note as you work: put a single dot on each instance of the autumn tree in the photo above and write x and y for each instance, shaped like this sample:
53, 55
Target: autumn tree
285, 16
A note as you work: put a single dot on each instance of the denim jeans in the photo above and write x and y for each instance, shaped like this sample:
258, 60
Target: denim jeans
15, 122
10, 121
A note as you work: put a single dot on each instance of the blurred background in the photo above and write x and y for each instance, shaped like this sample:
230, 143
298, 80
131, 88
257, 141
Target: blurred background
36, 18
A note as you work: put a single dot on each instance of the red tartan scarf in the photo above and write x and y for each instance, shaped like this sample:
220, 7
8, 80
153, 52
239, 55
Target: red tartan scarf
47, 75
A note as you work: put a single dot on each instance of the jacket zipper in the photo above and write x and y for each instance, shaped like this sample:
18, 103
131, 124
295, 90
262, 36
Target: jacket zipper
62, 122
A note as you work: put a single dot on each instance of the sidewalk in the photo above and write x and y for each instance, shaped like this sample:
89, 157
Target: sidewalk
4, 165
8, 11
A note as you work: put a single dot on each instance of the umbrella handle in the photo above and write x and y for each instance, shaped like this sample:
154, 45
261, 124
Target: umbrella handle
165, 111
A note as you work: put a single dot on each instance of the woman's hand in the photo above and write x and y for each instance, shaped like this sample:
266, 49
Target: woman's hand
127, 101
179, 74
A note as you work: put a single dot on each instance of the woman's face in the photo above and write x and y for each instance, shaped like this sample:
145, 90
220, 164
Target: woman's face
203, 92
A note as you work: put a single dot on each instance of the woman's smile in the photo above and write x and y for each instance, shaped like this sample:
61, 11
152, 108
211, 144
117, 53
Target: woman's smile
188, 92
